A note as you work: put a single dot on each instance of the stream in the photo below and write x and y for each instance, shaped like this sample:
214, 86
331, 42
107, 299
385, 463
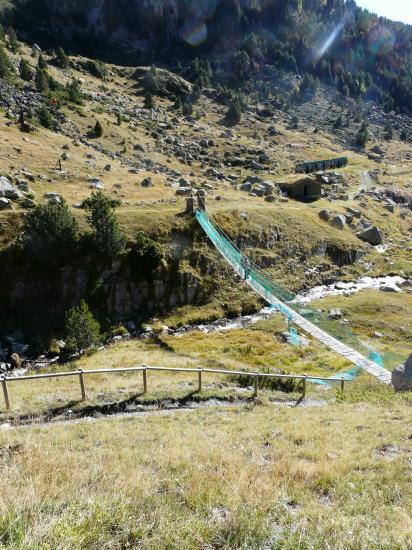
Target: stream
316, 293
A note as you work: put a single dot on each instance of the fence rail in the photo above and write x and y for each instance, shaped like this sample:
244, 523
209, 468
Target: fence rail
81, 374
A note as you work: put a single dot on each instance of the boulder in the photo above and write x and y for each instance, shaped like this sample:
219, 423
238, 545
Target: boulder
335, 314
353, 212
371, 235
402, 376
53, 198
7, 190
338, 221
5, 204
324, 215
390, 288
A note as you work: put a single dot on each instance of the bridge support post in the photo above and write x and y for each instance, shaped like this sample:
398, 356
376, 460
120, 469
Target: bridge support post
342, 385
6, 393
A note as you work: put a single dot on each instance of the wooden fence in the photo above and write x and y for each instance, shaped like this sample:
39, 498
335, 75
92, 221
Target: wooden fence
81, 374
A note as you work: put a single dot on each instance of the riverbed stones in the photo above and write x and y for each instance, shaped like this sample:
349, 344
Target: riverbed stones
371, 235
402, 376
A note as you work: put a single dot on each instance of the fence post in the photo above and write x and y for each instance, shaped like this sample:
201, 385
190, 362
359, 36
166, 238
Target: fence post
82, 386
255, 392
199, 375
5, 392
342, 385
145, 380
304, 387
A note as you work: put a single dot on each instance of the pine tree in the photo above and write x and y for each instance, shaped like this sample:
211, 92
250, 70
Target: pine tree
178, 104
2, 33
388, 131
107, 237
41, 63
42, 81
25, 71
98, 130
5, 66
148, 101
403, 135
82, 329
45, 118
13, 41
363, 135
234, 113
62, 59
187, 108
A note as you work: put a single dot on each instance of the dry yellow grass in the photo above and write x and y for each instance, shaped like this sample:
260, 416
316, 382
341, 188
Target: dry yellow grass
245, 477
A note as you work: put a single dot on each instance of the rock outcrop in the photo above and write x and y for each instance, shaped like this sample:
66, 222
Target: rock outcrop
402, 376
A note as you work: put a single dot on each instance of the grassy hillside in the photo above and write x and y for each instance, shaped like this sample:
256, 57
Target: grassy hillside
251, 476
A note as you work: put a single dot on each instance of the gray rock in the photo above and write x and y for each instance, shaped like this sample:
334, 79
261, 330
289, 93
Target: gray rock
338, 221
324, 215
183, 182
390, 208
184, 191
402, 376
8, 190
353, 212
335, 314
390, 288
5, 204
371, 235
53, 198
246, 186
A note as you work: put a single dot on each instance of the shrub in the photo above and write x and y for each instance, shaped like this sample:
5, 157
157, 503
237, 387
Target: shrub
107, 237
50, 231
82, 329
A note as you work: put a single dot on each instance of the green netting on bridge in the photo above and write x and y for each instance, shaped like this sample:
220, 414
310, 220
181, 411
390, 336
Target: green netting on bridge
278, 296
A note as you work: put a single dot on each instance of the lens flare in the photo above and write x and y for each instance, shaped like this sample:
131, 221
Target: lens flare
329, 41
381, 42
194, 33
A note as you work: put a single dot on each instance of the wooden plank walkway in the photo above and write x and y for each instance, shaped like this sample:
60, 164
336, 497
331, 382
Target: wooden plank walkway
329, 341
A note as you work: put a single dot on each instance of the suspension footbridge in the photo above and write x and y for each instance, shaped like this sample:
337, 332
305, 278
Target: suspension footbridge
337, 338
